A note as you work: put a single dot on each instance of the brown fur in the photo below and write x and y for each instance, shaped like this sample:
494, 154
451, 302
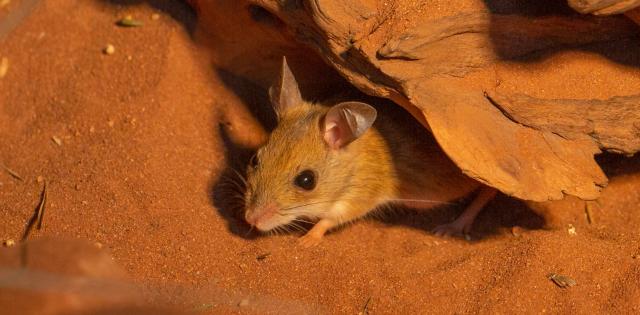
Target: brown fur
395, 159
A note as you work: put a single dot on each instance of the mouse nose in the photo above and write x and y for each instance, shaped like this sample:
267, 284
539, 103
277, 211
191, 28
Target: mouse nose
257, 214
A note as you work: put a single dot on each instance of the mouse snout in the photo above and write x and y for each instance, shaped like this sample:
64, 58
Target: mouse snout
257, 215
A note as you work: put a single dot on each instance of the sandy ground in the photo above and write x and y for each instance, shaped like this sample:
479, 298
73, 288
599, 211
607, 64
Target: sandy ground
129, 145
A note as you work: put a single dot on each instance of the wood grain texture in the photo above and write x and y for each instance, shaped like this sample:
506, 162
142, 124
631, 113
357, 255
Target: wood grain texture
429, 63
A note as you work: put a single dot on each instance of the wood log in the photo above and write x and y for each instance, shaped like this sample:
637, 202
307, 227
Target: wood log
436, 60
614, 124
603, 7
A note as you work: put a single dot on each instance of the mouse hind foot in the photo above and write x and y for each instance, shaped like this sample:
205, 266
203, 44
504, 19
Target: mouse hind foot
462, 225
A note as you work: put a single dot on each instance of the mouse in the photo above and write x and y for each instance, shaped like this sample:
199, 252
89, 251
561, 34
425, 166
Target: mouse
330, 163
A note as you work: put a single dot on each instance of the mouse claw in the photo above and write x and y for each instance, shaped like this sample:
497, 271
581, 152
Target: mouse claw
309, 240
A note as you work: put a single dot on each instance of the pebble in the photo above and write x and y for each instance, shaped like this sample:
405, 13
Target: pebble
572, 230
155, 16
243, 303
109, 50
516, 231
9, 243
40, 179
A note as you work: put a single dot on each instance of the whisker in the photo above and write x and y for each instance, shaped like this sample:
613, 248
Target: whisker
248, 232
421, 200
244, 180
303, 221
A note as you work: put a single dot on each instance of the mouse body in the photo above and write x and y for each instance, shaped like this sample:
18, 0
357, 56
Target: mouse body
333, 163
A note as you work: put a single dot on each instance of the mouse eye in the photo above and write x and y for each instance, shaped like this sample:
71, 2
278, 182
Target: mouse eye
306, 180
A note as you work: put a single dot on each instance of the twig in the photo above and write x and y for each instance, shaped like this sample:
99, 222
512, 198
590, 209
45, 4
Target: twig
365, 309
13, 173
36, 219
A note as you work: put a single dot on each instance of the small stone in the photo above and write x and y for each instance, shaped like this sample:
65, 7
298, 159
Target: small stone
4, 67
572, 230
39, 179
155, 16
516, 231
77, 187
109, 49
9, 243
84, 202
111, 123
244, 303
57, 140
98, 244
92, 129
182, 248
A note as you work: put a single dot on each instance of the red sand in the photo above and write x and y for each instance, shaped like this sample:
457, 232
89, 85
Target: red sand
139, 163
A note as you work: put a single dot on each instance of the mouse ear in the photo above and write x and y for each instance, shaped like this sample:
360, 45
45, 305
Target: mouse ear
285, 93
346, 122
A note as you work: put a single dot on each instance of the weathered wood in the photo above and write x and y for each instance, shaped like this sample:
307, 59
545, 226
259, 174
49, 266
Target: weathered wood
518, 160
603, 7
429, 64
613, 124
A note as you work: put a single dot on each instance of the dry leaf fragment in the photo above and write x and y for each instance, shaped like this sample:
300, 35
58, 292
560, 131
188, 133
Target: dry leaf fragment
129, 21
57, 140
263, 256
562, 281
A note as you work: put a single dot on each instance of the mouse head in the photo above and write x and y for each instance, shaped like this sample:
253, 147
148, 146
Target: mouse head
308, 160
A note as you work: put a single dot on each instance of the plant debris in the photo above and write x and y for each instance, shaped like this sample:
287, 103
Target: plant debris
129, 21
561, 280
13, 173
4, 67
57, 140
263, 256
36, 220
588, 212
365, 308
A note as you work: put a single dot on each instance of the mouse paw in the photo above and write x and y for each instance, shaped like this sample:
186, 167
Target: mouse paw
455, 228
309, 240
